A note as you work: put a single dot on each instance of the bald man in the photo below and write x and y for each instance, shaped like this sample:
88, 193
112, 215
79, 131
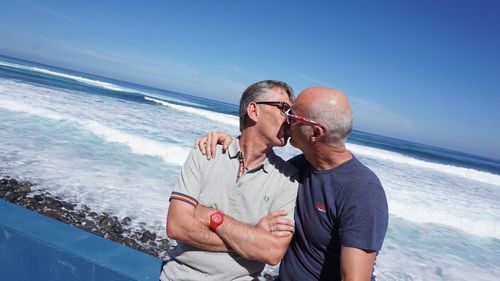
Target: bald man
341, 215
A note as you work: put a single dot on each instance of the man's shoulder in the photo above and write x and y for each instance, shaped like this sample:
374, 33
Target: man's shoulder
355, 178
285, 169
360, 171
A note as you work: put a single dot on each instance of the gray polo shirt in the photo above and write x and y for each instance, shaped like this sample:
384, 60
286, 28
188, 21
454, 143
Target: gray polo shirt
268, 187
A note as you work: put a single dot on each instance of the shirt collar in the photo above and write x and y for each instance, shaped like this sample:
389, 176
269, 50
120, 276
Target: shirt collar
267, 165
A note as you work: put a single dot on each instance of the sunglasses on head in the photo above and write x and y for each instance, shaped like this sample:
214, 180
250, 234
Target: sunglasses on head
290, 116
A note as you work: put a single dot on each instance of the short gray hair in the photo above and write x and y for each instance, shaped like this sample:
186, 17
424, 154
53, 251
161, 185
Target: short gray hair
257, 90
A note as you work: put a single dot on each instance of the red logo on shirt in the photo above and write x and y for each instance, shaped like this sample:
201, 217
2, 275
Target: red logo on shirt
320, 207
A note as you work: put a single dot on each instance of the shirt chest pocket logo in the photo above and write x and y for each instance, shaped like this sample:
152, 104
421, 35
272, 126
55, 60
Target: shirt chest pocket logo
320, 207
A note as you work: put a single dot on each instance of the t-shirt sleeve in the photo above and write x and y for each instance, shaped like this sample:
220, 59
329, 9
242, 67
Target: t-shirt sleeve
188, 186
286, 199
364, 218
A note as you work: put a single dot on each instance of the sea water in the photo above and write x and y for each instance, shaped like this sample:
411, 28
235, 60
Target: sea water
118, 147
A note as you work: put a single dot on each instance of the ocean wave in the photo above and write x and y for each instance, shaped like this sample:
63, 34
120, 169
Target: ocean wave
171, 154
468, 173
215, 116
169, 98
480, 226
13, 65
95, 83
92, 82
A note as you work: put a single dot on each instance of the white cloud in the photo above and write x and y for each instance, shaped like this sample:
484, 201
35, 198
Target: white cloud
50, 12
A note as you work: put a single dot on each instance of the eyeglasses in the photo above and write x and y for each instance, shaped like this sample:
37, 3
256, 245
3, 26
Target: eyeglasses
290, 116
283, 106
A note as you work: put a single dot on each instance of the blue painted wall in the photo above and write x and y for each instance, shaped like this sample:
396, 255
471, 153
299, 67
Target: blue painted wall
35, 247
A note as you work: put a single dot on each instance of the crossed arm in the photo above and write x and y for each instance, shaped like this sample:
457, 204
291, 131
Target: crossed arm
266, 242
183, 226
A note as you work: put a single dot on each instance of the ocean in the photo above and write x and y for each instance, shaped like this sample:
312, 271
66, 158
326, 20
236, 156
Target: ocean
118, 147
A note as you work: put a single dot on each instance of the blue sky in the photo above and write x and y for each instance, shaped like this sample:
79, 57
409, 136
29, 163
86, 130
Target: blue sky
425, 71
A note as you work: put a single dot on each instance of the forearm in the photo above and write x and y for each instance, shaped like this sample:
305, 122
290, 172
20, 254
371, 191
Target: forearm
252, 242
198, 235
183, 226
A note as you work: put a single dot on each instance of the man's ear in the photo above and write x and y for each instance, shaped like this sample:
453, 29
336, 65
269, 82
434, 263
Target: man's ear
318, 132
252, 111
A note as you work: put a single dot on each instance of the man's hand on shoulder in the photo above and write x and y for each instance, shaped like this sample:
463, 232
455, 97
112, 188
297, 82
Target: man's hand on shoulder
207, 143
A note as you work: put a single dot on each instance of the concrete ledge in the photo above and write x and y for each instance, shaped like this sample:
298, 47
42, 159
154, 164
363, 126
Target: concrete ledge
35, 247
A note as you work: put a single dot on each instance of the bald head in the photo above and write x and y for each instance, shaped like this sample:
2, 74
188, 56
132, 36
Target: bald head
328, 107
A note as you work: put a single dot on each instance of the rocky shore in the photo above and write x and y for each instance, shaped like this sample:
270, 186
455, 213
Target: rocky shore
102, 224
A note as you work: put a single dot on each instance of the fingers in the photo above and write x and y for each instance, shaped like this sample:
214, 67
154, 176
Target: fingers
283, 221
281, 230
278, 213
282, 227
212, 143
225, 144
208, 143
282, 233
200, 144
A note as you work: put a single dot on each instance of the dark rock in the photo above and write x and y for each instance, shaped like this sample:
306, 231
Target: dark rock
106, 223
68, 206
24, 188
126, 221
12, 182
118, 228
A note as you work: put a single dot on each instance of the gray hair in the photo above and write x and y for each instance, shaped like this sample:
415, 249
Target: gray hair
257, 90
337, 120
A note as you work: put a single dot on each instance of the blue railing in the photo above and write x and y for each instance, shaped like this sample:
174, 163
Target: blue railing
35, 247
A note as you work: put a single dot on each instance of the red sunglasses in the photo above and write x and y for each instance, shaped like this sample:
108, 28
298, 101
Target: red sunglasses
290, 116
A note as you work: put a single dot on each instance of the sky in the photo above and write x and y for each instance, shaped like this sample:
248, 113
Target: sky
424, 71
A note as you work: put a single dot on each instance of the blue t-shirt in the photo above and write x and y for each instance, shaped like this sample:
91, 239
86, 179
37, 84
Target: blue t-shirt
342, 206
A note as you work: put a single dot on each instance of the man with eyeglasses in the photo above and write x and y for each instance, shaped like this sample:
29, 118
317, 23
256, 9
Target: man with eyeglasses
228, 214
341, 214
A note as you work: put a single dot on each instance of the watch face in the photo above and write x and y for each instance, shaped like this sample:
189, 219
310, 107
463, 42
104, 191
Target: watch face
217, 218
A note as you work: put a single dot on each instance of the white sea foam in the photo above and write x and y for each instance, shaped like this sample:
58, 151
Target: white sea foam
24, 108
13, 65
169, 98
472, 224
172, 154
95, 83
215, 116
443, 168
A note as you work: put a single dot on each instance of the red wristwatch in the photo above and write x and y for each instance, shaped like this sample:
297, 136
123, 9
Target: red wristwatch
216, 219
